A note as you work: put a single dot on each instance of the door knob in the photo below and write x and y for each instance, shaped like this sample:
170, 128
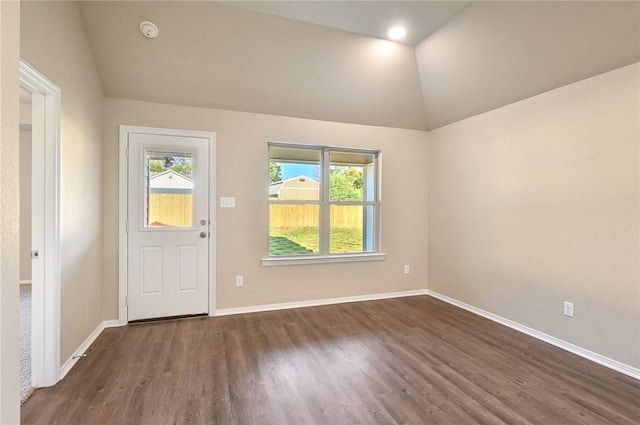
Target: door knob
203, 234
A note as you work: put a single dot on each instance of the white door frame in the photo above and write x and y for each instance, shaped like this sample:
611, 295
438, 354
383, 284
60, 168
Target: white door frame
45, 222
124, 209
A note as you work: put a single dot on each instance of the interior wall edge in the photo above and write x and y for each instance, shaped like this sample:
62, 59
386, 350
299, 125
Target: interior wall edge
9, 213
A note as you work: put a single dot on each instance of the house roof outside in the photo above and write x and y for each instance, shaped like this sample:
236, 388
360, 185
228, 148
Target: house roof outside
170, 180
295, 188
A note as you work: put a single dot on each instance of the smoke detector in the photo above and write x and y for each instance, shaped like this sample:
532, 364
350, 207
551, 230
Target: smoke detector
148, 29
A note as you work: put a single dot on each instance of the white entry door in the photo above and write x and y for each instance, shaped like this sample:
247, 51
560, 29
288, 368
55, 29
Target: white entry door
168, 225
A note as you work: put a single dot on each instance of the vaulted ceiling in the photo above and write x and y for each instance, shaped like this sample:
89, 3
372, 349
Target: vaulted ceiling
372, 18
324, 60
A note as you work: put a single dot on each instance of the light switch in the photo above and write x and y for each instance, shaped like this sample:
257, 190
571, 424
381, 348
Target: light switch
227, 202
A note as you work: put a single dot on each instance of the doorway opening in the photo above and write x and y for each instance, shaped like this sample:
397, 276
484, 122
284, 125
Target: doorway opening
43, 257
25, 245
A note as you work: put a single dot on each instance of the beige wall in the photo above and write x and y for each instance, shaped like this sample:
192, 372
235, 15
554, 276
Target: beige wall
242, 171
537, 203
25, 113
9, 213
53, 41
25, 205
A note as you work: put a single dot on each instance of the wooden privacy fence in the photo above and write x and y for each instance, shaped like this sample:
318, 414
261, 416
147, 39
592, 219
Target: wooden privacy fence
170, 209
349, 216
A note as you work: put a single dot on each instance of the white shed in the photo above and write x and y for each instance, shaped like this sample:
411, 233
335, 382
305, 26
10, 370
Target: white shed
170, 180
300, 188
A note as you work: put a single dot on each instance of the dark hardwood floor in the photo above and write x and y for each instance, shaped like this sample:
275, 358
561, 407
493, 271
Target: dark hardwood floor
409, 360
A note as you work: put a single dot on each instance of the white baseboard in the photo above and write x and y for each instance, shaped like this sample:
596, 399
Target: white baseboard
71, 361
112, 323
312, 303
25, 282
572, 348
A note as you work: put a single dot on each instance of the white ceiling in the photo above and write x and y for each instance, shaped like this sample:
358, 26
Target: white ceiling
217, 56
479, 55
371, 18
496, 53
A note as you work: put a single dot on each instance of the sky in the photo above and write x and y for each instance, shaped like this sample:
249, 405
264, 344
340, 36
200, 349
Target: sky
294, 170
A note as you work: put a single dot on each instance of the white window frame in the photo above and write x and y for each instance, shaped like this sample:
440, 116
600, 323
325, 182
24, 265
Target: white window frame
324, 203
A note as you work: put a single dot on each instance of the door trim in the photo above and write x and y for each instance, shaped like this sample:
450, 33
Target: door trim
123, 209
46, 271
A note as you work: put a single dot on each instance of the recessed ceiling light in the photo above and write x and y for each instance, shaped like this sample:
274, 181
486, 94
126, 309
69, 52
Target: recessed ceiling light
148, 29
397, 33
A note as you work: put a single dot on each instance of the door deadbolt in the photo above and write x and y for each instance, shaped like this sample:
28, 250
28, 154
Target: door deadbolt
203, 221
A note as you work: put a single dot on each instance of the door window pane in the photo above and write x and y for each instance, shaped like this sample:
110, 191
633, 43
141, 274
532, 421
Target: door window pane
168, 188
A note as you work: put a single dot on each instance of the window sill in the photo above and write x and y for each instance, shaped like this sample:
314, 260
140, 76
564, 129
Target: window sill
321, 259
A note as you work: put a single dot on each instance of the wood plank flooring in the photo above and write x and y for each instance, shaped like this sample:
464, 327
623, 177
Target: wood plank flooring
412, 360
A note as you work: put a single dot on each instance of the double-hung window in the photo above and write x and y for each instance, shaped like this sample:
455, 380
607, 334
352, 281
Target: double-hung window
324, 204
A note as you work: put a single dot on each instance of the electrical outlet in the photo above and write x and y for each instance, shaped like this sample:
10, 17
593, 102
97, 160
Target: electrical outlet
568, 309
407, 269
239, 281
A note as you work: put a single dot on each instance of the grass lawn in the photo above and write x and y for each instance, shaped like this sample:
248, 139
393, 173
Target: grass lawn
342, 240
279, 245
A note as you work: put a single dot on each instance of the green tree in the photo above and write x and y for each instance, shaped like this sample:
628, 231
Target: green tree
156, 166
354, 175
179, 164
342, 187
184, 167
275, 172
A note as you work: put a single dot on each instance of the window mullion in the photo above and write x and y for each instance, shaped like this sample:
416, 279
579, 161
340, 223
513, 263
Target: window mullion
325, 206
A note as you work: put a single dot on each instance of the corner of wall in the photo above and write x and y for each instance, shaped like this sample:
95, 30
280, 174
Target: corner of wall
9, 212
